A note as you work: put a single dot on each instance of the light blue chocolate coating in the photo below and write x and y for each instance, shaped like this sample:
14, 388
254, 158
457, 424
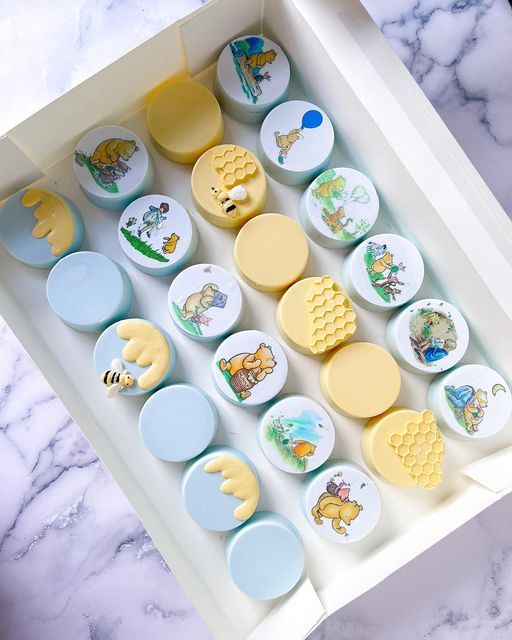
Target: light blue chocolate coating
178, 422
109, 346
204, 501
16, 225
89, 291
265, 556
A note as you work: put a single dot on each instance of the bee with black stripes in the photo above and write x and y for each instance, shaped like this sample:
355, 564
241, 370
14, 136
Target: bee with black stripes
116, 378
228, 200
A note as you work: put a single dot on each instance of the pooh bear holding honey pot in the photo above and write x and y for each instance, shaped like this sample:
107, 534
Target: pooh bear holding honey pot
248, 369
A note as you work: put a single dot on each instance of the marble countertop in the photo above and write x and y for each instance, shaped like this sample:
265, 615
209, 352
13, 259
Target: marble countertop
75, 562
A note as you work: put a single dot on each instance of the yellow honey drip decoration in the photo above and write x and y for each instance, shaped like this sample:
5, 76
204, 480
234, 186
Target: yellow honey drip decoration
234, 165
421, 449
146, 346
332, 318
240, 482
54, 219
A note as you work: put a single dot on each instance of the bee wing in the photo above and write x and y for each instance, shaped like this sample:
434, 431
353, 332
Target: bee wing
112, 390
117, 365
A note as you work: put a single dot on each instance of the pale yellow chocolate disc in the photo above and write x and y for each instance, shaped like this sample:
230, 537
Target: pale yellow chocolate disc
360, 379
405, 447
315, 315
184, 120
271, 252
229, 185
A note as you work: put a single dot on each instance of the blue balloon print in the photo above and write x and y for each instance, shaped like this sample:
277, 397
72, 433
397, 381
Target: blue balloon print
312, 119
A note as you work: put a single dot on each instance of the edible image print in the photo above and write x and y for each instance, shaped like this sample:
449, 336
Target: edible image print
345, 204
335, 506
109, 162
342, 503
244, 371
311, 119
252, 63
205, 300
155, 229
384, 271
469, 405
432, 335
296, 434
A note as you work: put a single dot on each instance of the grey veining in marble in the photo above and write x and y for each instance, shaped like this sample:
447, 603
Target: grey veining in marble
75, 562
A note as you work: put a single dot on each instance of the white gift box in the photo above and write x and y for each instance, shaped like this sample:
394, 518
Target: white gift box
429, 191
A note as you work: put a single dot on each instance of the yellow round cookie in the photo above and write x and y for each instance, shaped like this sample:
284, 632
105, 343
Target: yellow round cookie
184, 120
405, 447
360, 379
271, 252
315, 315
229, 185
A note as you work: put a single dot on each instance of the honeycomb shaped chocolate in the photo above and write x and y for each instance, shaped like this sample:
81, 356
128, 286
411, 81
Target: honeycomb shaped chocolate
234, 164
421, 449
332, 319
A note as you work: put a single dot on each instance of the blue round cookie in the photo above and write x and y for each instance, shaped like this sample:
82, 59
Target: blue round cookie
142, 348
89, 291
39, 227
209, 484
178, 422
265, 557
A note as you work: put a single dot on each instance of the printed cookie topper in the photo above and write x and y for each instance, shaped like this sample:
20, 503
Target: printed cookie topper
205, 301
384, 271
428, 336
110, 161
341, 205
297, 136
156, 233
296, 434
341, 502
249, 368
252, 76
471, 401
252, 57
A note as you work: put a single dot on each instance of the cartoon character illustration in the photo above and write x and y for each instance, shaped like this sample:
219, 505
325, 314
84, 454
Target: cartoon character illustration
192, 313
382, 271
108, 162
432, 335
227, 201
116, 378
336, 221
335, 505
467, 406
249, 59
153, 219
295, 438
285, 141
170, 243
245, 370
150, 225
330, 191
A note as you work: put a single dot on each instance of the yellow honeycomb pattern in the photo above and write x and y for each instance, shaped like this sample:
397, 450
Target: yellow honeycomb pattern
234, 164
421, 448
331, 315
